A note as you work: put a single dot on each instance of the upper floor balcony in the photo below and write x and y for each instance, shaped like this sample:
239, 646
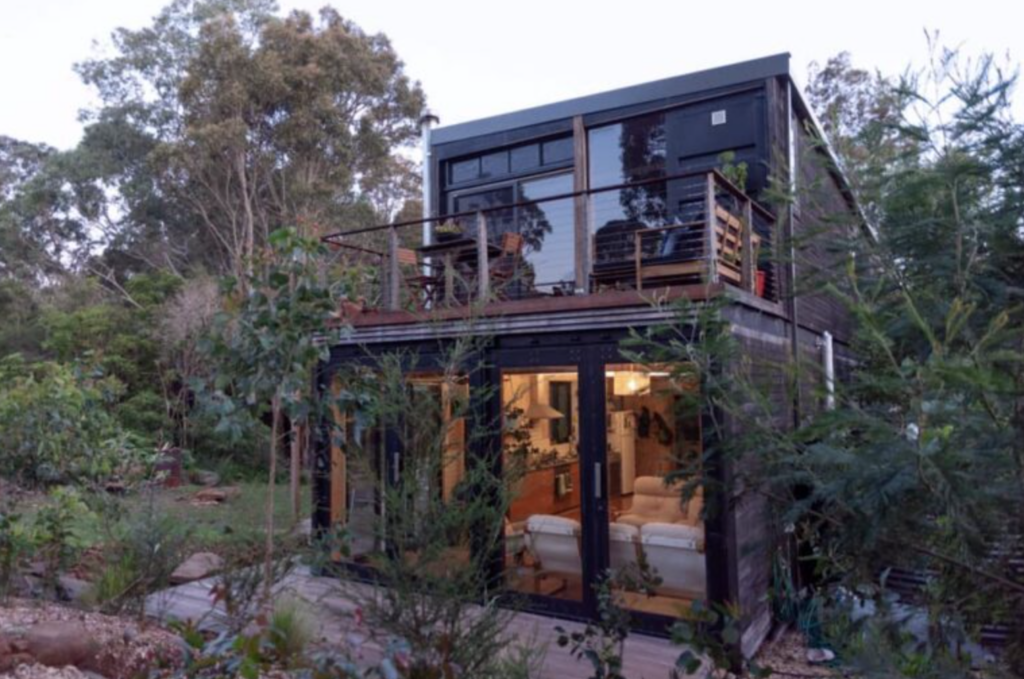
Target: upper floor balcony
540, 246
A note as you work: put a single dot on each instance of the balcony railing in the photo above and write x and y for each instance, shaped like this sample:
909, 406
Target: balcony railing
684, 229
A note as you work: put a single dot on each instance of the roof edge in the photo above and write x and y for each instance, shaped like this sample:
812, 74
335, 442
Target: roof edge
688, 83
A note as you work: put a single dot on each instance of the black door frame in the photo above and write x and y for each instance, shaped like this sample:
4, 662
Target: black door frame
574, 357
589, 353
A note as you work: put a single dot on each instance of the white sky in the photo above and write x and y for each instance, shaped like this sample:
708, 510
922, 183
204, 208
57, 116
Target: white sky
478, 58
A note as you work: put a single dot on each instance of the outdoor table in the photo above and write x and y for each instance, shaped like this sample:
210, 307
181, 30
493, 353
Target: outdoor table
463, 249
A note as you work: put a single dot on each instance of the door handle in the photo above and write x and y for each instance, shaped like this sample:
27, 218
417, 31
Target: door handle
597, 480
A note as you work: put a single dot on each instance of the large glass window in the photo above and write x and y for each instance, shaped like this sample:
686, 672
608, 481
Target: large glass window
433, 446
530, 158
357, 475
544, 525
628, 152
653, 451
544, 261
631, 151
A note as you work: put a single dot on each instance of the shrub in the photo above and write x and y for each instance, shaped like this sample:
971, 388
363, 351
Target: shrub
15, 544
55, 536
142, 550
290, 629
56, 428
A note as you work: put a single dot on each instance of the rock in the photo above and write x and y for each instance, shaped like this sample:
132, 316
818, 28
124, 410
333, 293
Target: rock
816, 656
58, 644
73, 587
216, 495
206, 478
116, 487
198, 566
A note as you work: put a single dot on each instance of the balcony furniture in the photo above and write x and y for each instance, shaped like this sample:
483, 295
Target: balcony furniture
423, 286
554, 543
655, 502
460, 254
507, 271
682, 253
676, 554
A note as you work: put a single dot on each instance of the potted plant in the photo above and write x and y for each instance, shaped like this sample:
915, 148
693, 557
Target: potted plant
447, 231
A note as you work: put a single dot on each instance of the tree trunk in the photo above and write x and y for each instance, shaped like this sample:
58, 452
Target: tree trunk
298, 446
268, 559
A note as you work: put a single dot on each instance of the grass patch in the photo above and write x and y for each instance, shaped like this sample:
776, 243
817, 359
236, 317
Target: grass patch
239, 519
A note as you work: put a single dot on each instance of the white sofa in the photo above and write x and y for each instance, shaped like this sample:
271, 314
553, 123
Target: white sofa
623, 545
554, 544
676, 553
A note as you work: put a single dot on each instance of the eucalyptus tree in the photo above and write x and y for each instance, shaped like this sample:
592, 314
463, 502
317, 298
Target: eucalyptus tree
223, 115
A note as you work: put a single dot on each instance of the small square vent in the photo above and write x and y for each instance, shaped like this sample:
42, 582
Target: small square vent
718, 117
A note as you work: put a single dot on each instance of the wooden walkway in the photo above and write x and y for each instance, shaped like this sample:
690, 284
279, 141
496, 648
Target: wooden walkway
338, 625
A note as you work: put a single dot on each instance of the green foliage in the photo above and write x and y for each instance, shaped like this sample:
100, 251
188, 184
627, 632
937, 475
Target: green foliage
736, 173
290, 629
438, 592
56, 426
265, 350
141, 550
56, 539
16, 543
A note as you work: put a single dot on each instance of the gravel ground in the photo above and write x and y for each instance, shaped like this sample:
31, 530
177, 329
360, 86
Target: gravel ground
127, 648
787, 657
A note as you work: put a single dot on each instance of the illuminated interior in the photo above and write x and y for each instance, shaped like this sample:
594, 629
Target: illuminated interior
649, 436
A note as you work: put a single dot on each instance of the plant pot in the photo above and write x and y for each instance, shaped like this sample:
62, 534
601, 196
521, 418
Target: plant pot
447, 236
759, 283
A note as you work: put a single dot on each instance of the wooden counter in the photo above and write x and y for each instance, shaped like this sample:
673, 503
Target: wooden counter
536, 493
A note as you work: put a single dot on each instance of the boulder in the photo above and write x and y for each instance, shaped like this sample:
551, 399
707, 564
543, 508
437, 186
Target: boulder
206, 478
59, 644
198, 566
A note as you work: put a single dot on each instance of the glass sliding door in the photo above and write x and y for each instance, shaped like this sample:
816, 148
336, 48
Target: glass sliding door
431, 439
540, 448
653, 450
357, 473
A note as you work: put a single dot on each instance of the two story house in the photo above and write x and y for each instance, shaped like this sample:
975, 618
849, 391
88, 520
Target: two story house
555, 230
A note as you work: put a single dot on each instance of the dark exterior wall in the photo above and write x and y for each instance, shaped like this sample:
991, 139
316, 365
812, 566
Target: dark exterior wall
694, 148
763, 341
823, 222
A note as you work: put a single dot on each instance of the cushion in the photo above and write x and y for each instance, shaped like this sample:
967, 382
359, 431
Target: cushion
552, 525
623, 532
654, 501
672, 535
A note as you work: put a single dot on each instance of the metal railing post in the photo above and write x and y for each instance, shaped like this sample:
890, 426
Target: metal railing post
483, 264
749, 275
711, 229
394, 272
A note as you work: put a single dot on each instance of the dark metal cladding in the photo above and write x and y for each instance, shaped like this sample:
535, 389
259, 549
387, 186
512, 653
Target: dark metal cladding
690, 83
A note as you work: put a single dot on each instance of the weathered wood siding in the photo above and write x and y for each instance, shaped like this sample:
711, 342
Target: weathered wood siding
823, 224
764, 342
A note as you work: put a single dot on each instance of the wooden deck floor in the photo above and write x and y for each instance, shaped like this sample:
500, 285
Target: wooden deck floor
337, 625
